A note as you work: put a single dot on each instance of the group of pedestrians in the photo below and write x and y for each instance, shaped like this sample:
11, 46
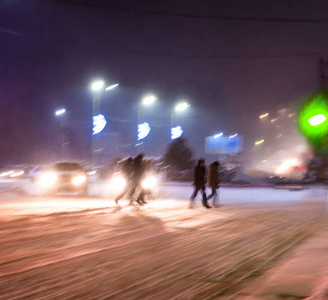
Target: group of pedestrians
133, 172
199, 183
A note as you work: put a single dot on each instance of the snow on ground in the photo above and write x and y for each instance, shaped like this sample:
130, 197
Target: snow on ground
67, 247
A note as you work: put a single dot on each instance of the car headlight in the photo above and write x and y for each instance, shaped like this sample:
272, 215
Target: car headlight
80, 179
48, 179
149, 183
118, 183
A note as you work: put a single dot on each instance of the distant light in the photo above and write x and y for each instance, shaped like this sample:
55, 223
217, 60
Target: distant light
232, 136
139, 144
16, 174
263, 116
291, 115
279, 136
218, 135
112, 87
259, 142
99, 123
97, 85
149, 100
143, 130
274, 120
317, 120
176, 132
182, 106
6, 173
60, 112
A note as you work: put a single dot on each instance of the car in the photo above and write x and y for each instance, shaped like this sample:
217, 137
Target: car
62, 176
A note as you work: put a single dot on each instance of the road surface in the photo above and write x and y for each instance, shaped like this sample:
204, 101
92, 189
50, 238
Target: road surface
66, 247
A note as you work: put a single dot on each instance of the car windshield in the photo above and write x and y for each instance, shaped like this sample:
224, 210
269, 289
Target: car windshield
67, 167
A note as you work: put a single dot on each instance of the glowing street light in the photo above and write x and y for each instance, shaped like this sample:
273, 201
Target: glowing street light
181, 106
232, 136
149, 100
97, 85
60, 112
218, 135
263, 116
259, 142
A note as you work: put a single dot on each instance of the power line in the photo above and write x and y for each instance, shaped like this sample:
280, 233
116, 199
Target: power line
191, 15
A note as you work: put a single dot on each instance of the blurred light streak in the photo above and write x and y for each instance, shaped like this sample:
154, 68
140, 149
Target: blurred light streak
263, 116
259, 142
112, 87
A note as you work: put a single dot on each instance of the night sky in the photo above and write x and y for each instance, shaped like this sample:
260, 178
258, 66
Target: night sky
231, 60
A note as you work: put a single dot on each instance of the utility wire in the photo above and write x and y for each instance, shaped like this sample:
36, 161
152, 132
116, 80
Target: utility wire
191, 15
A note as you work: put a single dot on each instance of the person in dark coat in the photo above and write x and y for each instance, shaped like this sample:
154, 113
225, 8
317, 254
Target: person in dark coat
127, 174
199, 183
213, 181
137, 176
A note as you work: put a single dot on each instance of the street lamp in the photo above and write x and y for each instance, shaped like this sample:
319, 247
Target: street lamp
179, 107
144, 128
60, 113
146, 101
98, 87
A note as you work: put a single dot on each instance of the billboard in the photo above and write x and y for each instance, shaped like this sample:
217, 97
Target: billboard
223, 145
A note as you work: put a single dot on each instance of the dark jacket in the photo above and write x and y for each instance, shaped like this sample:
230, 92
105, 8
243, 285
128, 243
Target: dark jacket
138, 169
213, 179
199, 176
127, 169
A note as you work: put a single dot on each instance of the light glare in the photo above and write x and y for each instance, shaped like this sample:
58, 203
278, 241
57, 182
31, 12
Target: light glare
317, 120
60, 112
218, 135
97, 85
182, 106
149, 100
263, 116
259, 142
99, 123
143, 130
176, 132
77, 180
112, 87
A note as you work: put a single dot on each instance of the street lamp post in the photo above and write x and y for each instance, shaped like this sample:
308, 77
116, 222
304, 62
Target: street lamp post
146, 101
179, 107
98, 88
60, 113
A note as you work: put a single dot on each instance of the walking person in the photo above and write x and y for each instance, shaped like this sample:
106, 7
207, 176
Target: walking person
213, 181
127, 174
137, 176
199, 184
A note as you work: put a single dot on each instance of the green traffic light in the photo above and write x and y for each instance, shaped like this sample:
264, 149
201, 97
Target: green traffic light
313, 119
